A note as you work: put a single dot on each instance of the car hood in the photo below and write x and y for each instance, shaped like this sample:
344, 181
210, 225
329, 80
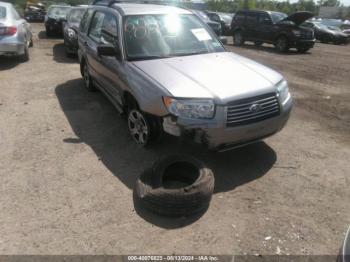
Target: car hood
299, 17
223, 76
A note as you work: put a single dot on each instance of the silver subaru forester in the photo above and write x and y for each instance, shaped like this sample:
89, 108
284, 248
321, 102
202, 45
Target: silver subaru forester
166, 69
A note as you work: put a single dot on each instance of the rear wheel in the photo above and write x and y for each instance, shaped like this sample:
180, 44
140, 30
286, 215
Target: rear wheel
25, 56
282, 44
238, 39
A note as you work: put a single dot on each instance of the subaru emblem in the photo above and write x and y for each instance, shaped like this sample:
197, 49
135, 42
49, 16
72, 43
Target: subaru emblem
254, 108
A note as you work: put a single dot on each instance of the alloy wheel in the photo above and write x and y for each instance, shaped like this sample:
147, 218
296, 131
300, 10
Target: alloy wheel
138, 127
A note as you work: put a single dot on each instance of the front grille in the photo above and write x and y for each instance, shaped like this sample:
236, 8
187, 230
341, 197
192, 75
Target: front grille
252, 110
307, 35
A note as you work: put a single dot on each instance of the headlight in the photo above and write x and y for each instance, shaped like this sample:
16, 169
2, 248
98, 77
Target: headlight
297, 33
71, 33
283, 91
190, 108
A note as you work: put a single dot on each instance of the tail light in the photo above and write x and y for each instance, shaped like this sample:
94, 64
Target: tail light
9, 30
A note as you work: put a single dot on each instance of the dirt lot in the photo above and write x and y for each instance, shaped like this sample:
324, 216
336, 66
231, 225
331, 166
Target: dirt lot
68, 167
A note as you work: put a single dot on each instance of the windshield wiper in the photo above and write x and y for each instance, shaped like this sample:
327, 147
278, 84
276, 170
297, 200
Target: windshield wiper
147, 57
191, 53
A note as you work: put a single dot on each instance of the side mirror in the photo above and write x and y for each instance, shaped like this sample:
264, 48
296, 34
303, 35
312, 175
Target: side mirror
108, 50
223, 39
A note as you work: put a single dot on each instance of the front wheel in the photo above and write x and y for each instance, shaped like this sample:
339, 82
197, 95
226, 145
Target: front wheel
282, 44
238, 39
143, 128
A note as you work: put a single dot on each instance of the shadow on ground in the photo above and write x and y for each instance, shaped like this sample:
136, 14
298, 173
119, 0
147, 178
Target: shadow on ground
96, 123
42, 35
60, 56
7, 63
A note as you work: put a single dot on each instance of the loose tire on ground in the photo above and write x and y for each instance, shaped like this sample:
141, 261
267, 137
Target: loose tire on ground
176, 185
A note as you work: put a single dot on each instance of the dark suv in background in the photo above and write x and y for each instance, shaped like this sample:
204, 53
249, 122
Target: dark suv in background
275, 28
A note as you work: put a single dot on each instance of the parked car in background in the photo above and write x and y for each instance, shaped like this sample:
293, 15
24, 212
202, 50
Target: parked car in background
56, 16
15, 33
224, 19
215, 26
347, 32
70, 31
35, 12
327, 34
163, 68
272, 27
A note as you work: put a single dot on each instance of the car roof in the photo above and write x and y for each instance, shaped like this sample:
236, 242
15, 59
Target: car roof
4, 4
140, 9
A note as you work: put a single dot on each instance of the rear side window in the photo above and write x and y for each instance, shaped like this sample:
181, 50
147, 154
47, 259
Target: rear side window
95, 31
84, 23
239, 17
264, 18
252, 18
109, 33
15, 14
2, 12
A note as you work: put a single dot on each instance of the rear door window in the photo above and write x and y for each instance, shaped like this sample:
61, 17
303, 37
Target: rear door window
252, 18
95, 31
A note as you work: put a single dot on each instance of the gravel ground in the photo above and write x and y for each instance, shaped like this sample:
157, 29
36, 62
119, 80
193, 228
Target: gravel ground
68, 167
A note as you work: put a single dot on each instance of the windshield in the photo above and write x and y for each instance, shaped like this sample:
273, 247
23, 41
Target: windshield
276, 17
75, 15
2, 12
321, 26
160, 36
58, 11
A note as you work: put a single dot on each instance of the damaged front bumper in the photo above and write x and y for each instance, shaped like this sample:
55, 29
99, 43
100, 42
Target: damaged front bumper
216, 135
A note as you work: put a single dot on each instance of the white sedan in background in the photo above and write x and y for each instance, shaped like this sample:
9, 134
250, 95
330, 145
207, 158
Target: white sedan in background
15, 33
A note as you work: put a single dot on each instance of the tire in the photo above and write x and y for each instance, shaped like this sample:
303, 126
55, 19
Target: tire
258, 43
143, 128
69, 54
87, 78
191, 197
238, 39
282, 44
303, 50
31, 43
25, 56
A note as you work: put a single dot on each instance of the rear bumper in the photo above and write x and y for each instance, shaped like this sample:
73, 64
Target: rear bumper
11, 48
